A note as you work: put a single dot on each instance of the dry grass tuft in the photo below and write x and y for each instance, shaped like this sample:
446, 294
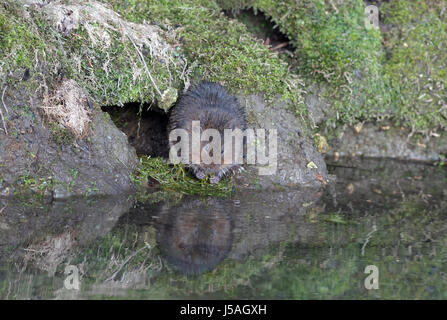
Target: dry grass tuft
69, 107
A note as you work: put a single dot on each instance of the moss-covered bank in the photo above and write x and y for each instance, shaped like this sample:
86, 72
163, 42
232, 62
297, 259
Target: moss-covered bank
396, 73
220, 48
116, 52
149, 51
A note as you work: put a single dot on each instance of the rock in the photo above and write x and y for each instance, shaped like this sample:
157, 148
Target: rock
316, 105
386, 141
294, 150
101, 163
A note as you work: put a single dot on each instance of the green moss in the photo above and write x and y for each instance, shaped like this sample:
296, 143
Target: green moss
417, 66
220, 48
19, 45
328, 43
112, 73
334, 49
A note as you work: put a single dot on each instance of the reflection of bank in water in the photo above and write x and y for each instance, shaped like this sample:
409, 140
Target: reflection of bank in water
196, 235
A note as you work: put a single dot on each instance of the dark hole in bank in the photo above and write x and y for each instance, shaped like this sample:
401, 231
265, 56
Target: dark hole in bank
144, 125
262, 27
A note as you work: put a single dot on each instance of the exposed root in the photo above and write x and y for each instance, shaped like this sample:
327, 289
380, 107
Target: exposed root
1, 113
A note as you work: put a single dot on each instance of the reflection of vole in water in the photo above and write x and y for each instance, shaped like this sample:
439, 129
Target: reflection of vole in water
216, 109
195, 235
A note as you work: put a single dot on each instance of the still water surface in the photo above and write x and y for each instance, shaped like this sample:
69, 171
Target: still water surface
277, 244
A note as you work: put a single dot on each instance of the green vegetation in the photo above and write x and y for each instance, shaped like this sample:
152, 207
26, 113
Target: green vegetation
200, 40
334, 50
399, 74
60, 135
19, 45
105, 62
39, 185
365, 75
34, 191
174, 178
220, 48
73, 173
417, 66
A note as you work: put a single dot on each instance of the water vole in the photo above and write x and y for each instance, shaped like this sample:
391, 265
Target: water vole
211, 105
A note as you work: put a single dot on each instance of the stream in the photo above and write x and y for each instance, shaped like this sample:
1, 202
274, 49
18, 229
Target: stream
285, 243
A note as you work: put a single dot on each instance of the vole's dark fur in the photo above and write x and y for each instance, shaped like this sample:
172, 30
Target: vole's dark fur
215, 108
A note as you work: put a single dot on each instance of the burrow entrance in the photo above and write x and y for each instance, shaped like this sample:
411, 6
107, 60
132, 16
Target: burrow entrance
263, 28
145, 127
